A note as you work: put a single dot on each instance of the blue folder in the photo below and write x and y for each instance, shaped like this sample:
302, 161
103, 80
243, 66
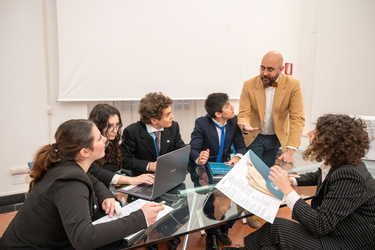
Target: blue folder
264, 170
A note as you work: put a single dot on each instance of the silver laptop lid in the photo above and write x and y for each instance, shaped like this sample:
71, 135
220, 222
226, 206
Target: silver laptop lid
171, 170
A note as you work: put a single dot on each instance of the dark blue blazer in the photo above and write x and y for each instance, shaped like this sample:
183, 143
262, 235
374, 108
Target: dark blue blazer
138, 147
205, 136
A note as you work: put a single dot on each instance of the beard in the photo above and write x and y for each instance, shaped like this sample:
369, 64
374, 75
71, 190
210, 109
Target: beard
268, 79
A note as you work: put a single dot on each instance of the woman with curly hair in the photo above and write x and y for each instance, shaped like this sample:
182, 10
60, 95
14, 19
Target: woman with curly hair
108, 169
342, 212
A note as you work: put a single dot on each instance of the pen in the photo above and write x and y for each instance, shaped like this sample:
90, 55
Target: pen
161, 203
294, 175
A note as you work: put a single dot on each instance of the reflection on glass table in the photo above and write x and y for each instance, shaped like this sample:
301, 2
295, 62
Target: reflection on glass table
197, 205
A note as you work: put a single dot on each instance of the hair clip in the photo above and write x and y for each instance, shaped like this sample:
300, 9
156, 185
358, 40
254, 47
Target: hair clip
54, 145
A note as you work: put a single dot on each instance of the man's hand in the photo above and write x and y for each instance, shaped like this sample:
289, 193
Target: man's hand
203, 177
152, 167
233, 161
203, 157
287, 156
246, 127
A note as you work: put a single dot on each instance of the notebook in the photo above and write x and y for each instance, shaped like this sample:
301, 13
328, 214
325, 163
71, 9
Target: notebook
218, 170
171, 171
219, 167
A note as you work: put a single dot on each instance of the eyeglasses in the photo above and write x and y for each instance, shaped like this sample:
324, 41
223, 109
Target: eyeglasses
269, 69
114, 126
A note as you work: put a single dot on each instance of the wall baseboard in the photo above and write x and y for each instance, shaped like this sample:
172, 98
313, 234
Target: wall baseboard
10, 203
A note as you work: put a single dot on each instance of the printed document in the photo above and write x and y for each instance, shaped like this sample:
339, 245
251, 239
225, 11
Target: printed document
235, 185
126, 210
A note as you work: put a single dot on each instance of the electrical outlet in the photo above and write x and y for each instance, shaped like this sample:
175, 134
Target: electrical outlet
18, 179
49, 110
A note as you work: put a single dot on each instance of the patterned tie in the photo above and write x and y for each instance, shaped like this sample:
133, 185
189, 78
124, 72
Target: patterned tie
157, 139
269, 85
219, 157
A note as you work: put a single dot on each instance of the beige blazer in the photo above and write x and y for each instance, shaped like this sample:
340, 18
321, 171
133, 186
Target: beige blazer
288, 114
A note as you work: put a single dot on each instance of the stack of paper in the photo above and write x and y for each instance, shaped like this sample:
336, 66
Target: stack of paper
126, 210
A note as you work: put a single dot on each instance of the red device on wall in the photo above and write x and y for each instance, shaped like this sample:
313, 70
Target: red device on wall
288, 69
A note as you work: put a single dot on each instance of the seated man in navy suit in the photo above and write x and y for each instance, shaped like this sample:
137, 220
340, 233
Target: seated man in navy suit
211, 141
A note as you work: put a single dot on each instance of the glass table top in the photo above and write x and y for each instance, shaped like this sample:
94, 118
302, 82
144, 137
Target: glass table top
197, 205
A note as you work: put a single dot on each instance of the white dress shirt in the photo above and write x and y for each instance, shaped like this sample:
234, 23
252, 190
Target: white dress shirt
268, 128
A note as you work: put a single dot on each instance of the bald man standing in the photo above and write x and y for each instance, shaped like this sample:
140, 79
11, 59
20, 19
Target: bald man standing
271, 111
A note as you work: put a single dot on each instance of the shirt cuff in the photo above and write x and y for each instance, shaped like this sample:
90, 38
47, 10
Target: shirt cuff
239, 155
115, 179
146, 219
291, 199
196, 161
294, 180
148, 166
243, 131
292, 147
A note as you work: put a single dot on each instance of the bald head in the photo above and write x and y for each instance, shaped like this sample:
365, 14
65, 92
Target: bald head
273, 57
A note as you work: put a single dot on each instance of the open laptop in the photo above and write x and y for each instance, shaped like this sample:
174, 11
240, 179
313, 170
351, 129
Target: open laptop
171, 171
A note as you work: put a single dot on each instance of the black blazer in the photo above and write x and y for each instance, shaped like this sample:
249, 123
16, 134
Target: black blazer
58, 213
138, 147
103, 175
342, 212
204, 136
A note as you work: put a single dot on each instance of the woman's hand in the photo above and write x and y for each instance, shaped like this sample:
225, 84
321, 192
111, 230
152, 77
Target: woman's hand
108, 205
280, 177
151, 211
144, 178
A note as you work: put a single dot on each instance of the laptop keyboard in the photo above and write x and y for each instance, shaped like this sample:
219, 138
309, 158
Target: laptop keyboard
144, 191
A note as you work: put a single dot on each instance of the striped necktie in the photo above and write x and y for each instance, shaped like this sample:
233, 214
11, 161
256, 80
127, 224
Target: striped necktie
157, 139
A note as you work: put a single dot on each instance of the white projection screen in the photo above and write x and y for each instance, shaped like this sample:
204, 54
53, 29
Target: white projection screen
115, 50
123, 49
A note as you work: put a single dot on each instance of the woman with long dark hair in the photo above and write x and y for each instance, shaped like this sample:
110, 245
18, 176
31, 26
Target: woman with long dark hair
63, 198
109, 168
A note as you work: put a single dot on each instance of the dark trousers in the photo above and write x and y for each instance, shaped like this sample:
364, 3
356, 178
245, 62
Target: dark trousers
223, 228
266, 148
282, 234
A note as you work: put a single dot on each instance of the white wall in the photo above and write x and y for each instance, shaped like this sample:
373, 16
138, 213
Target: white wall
29, 78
